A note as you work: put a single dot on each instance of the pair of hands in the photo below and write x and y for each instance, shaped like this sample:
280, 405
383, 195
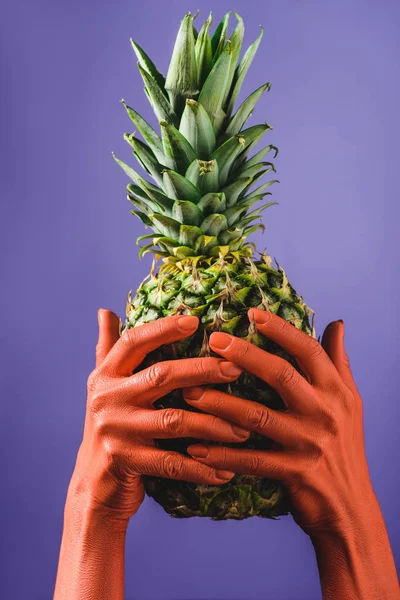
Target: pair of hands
319, 451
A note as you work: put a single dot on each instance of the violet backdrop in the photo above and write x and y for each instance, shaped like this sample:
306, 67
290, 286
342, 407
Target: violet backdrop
68, 248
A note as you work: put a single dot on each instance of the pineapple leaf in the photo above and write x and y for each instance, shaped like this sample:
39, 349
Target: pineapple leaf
132, 174
260, 189
143, 217
260, 209
214, 224
176, 147
239, 162
253, 134
188, 234
146, 158
236, 39
213, 91
147, 237
226, 154
153, 193
212, 203
148, 65
147, 132
144, 249
257, 157
255, 170
219, 37
182, 72
204, 175
226, 237
248, 230
233, 190
146, 207
203, 52
187, 212
204, 243
183, 251
180, 188
245, 110
136, 194
254, 199
234, 213
165, 225
197, 128
247, 220
241, 71
162, 108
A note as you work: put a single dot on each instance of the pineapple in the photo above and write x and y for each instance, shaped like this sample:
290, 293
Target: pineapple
200, 208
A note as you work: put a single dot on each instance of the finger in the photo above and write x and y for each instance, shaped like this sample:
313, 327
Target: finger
109, 333
283, 428
276, 465
276, 371
307, 351
178, 423
156, 381
136, 342
333, 344
173, 465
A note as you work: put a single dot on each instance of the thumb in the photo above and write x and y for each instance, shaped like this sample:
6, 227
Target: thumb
109, 333
333, 344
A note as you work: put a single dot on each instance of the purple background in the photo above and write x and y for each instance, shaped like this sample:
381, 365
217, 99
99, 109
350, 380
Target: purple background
68, 248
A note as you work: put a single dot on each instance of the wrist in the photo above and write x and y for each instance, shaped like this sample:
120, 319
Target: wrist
92, 500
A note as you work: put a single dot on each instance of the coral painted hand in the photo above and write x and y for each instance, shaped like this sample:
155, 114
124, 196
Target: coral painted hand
318, 452
118, 446
319, 443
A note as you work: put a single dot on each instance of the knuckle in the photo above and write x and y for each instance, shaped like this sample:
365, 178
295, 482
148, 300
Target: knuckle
284, 326
254, 463
258, 417
313, 348
93, 379
99, 400
217, 398
102, 425
172, 465
242, 348
331, 422
171, 420
287, 376
207, 369
343, 396
127, 338
156, 375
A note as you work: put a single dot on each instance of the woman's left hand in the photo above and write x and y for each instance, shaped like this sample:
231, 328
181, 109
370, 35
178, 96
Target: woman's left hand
320, 457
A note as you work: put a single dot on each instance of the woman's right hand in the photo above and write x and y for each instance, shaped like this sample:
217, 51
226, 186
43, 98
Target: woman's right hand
121, 422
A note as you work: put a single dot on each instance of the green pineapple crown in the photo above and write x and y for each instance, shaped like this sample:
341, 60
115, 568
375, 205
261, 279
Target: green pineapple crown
199, 204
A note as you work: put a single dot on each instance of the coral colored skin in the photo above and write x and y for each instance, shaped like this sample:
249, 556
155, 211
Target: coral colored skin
322, 461
318, 452
117, 448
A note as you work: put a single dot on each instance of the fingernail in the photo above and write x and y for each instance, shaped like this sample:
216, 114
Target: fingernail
198, 451
219, 340
261, 316
229, 369
242, 433
340, 321
187, 323
194, 393
226, 475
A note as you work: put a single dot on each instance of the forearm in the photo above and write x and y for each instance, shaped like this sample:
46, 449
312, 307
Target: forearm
356, 562
91, 560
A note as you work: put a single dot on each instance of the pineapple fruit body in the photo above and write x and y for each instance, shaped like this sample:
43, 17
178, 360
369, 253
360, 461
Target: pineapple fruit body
200, 208
220, 297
